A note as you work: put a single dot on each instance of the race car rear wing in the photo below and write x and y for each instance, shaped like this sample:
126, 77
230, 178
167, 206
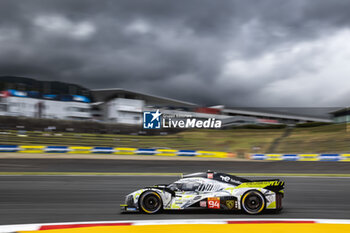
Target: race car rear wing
271, 184
274, 185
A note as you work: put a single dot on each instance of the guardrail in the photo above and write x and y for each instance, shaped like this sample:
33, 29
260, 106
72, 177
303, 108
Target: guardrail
301, 157
112, 150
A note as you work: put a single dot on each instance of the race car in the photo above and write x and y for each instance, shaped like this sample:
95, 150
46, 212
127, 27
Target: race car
208, 190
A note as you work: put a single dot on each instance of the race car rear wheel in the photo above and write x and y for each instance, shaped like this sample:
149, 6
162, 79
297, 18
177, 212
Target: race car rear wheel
150, 202
253, 202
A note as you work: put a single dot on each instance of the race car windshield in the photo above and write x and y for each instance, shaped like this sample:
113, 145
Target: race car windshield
190, 186
184, 186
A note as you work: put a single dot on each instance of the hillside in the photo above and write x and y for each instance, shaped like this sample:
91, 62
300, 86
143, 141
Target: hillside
328, 138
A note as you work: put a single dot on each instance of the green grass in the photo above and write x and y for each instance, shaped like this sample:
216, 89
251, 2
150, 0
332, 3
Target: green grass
215, 140
321, 139
328, 138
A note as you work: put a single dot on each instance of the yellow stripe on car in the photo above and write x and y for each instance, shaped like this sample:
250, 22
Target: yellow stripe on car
272, 205
260, 184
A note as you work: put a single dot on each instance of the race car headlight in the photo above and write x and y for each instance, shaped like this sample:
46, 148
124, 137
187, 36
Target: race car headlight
129, 200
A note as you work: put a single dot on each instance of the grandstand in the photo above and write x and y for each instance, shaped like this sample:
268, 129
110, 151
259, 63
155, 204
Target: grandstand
25, 97
341, 115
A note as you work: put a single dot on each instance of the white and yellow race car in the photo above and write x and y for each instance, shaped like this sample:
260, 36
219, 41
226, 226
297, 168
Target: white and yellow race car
208, 190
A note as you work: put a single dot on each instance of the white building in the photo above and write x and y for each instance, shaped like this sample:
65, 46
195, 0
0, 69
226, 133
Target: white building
123, 111
56, 100
126, 107
43, 108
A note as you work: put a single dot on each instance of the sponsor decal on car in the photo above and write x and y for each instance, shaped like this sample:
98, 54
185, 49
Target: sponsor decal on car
131, 209
225, 178
229, 179
214, 202
203, 204
230, 204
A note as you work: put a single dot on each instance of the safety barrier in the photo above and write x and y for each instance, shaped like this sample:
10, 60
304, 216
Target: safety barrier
57, 149
80, 149
170, 152
31, 149
112, 150
301, 157
8, 148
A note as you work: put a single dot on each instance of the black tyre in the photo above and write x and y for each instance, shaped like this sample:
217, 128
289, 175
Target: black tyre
253, 202
150, 202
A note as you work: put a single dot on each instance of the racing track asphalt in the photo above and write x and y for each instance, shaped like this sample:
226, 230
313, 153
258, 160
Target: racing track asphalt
39, 199
172, 166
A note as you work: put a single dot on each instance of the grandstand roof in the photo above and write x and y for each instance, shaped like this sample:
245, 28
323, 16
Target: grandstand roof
101, 95
46, 87
341, 111
259, 112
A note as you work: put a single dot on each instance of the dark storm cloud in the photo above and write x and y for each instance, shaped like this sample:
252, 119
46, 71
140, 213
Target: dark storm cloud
257, 53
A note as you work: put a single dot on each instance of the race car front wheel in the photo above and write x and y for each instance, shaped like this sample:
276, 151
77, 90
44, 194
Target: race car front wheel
150, 202
253, 202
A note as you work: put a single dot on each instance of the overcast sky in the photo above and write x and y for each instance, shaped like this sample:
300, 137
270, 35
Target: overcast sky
237, 53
